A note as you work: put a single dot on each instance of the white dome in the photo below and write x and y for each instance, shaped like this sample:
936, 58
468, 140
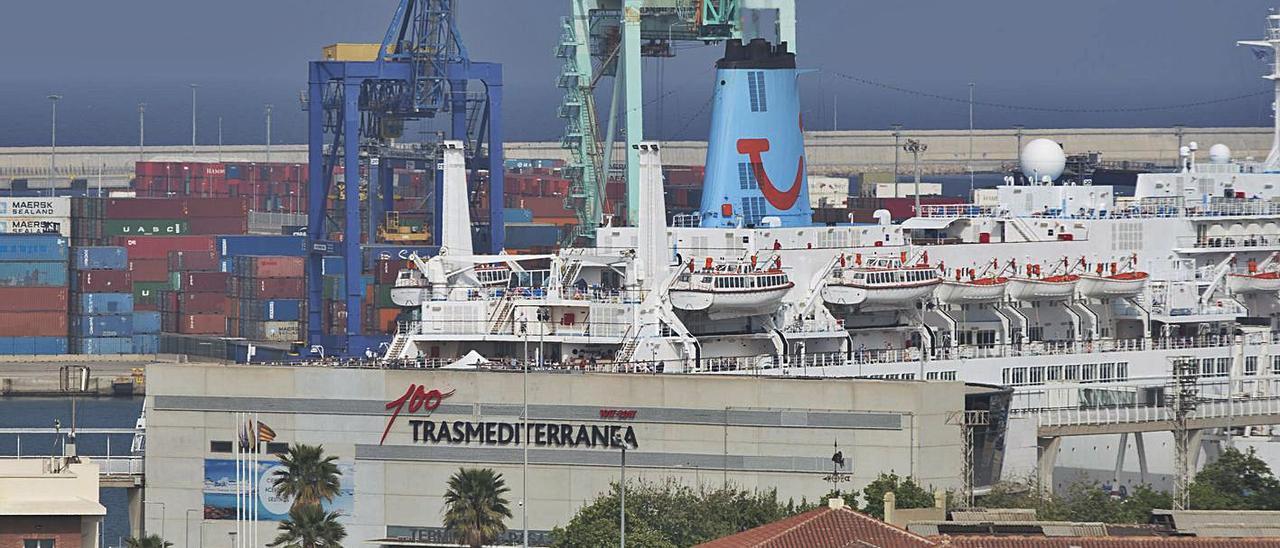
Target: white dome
1220, 154
1042, 158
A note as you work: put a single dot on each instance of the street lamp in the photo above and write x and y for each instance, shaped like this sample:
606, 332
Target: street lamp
1017, 154
622, 493
187, 525
897, 132
142, 131
53, 143
916, 148
144, 503
524, 434
193, 119
269, 107
232, 535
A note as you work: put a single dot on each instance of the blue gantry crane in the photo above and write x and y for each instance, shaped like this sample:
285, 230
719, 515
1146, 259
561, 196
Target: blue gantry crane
357, 111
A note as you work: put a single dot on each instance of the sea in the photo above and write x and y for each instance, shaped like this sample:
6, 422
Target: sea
25, 412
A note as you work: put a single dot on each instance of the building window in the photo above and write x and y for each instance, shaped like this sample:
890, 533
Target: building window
1224, 367
1122, 371
220, 447
37, 543
1275, 365
277, 448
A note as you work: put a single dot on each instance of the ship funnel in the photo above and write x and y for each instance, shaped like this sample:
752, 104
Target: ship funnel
455, 226
755, 152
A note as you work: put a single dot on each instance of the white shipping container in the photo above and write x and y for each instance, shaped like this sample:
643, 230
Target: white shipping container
35, 207
906, 190
36, 225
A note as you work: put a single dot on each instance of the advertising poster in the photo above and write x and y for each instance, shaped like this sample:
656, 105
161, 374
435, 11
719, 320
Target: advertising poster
220, 490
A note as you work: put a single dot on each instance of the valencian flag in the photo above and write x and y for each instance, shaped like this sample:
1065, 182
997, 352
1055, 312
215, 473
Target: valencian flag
265, 433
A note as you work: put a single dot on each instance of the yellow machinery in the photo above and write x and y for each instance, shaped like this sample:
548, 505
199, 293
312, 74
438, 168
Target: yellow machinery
392, 231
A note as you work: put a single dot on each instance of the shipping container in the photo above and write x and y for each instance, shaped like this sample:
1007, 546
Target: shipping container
36, 225
200, 303
33, 274
99, 258
145, 208
103, 281
193, 261
145, 294
145, 322
33, 346
270, 288
33, 247
231, 246
146, 227
102, 303
45, 207
145, 343
218, 225
523, 236
149, 270
34, 324
218, 207
102, 345
270, 331
108, 325
272, 309
158, 247
33, 299
256, 266
202, 324
202, 282
517, 215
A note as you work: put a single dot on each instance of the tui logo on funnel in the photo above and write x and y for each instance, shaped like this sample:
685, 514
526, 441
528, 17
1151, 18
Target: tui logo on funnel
781, 199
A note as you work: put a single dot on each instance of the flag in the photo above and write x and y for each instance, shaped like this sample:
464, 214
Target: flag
1260, 53
265, 433
244, 438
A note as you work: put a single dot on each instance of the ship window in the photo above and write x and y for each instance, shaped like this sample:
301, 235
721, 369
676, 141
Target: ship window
1072, 373
1004, 375
1036, 375
1250, 365
1122, 371
1019, 376
1107, 371
1089, 372
752, 209
747, 177
1275, 365
1206, 367
1053, 373
1224, 367
755, 89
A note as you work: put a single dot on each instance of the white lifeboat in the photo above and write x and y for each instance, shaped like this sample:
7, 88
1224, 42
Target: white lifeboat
730, 290
1257, 282
411, 288
1124, 284
1049, 288
883, 282
980, 290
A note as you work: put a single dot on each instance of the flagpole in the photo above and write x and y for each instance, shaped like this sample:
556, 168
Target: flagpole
257, 475
237, 442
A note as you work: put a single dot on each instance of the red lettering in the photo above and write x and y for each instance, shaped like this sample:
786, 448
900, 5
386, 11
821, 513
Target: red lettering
419, 399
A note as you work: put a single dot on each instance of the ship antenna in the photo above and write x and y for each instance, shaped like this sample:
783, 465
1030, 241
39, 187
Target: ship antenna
1272, 42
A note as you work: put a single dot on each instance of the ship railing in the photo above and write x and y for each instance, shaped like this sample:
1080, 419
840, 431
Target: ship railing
958, 210
1229, 241
1228, 408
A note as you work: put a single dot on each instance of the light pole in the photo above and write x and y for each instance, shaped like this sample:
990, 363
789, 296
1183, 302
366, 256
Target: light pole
53, 143
162, 535
1178, 130
897, 133
142, 131
232, 535
916, 148
269, 132
971, 140
524, 442
622, 493
193, 119
1017, 154
187, 525
219, 138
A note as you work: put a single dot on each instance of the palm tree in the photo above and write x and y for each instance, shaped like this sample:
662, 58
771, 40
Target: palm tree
308, 475
149, 541
475, 506
309, 526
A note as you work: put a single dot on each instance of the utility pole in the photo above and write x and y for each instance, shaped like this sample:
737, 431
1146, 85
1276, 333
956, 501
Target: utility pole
916, 148
1017, 153
193, 119
971, 141
1183, 397
142, 129
53, 144
268, 133
219, 138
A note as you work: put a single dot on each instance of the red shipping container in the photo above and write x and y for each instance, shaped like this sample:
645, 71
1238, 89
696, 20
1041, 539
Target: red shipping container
202, 303
217, 207
193, 261
273, 267
272, 288
34, 324
149, 270
104, 281
202, 324
158, 247
33, 299
204, 282
386, 271
146, 208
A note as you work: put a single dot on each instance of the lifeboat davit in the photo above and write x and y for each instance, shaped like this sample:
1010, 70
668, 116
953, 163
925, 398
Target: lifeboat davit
1124, 284
1260, 282
886, 288
981, 290
730, 293
1048, 288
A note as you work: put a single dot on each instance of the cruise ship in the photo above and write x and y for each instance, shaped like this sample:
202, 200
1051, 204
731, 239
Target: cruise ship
1067, 293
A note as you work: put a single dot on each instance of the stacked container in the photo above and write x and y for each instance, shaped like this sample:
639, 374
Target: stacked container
196, 303
268, 298
86, 222
41, 215
33, 294
101, 302
176, 216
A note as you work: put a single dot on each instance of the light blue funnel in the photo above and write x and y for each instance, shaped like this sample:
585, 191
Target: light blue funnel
755, 153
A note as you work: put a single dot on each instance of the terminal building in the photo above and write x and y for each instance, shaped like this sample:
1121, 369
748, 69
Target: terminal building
400, 434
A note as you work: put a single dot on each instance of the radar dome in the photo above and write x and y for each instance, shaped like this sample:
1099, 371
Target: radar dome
1042, 158
1219, 154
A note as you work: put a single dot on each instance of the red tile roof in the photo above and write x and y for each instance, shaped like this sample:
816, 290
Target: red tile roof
1103, 542
823, 528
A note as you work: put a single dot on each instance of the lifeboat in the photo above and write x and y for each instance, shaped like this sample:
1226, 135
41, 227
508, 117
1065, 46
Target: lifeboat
730, 291
1124, 284
412, 288
882, 283
981, 290
1258, 282
1048, 288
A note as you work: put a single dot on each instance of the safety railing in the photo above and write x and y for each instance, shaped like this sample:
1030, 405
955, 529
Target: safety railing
1130, 414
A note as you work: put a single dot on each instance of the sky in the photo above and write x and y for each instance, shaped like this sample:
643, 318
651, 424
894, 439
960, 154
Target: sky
1076, 57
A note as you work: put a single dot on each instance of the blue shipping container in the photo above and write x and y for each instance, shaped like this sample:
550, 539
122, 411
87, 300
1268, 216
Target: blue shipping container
103, 345
145, 322
99, 258
146, 344
375, 253
516, 215
523, 236
290, 246
283, 310
33, 274
227, 265
330, 266
105, 303
116, 325
25, 346
33, 247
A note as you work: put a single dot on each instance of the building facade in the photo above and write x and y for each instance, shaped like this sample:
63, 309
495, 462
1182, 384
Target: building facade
49, 502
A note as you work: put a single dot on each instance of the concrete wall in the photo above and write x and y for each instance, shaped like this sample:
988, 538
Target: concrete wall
829, 152
749, 432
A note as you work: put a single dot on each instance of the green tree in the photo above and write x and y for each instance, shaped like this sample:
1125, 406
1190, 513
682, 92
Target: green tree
476, 506
308, 475
1236, 481
907, 494
659, 515
149, 541
309, 526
